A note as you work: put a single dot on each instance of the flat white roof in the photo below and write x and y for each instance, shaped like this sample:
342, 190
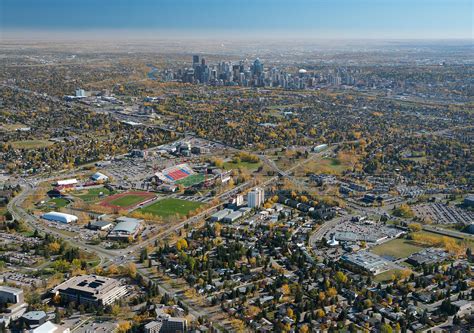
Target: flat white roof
67, 181
47, 327
59, 216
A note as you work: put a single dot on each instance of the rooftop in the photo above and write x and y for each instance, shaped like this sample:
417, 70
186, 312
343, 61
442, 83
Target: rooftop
91, 284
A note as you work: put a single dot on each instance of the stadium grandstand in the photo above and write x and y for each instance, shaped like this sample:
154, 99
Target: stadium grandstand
174, 173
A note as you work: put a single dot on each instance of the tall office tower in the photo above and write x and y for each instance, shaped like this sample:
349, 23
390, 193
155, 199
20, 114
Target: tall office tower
256, 197
203, 62
195, 61
257, 67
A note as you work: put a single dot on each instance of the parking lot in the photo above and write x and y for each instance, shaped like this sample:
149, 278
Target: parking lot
443, 214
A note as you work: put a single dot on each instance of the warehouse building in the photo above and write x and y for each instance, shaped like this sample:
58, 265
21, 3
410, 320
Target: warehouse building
90, 289
100, 225
218, 216
99, 177
67, 182
59, 217
232, 217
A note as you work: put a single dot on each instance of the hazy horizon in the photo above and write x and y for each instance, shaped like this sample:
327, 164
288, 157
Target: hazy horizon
237, 19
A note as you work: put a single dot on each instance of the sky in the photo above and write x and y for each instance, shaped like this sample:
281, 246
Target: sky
318, 19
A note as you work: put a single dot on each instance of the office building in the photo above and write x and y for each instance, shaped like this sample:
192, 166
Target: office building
80, 93
34, 318
90, 289
256, 197
11, 295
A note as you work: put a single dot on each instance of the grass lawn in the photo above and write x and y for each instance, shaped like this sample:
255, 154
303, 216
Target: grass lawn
58, 202
324, 165
92, 194
397, 248
385, 276
171, 206
12, 127
30, 144
191, 180
242, 165
128, 200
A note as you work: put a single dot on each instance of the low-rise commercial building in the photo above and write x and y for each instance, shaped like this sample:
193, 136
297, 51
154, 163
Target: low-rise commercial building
167, 325
90, 289
9, 295
218, 216
366, 261
232, 217
126, 228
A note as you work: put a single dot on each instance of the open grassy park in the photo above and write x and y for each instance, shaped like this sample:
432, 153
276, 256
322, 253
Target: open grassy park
170, 207
242, 165
326, 165
397, 248
31, 144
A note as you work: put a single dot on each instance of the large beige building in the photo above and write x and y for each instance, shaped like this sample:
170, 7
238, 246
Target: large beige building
90, 289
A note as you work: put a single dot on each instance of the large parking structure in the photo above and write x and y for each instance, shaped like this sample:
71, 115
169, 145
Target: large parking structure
127, 200
170, 207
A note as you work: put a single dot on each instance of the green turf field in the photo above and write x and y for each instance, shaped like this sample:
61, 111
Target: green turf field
92, 194
397, 248
171, 206
127, 200
191, 180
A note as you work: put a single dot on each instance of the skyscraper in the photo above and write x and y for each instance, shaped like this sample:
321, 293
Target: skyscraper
195, 61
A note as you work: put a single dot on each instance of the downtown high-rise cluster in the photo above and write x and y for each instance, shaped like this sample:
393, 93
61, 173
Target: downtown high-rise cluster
254, 74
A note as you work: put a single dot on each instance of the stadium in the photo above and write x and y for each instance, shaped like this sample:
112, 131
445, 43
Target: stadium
179, 174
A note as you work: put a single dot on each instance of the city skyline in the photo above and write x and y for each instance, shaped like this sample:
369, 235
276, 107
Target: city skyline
340, 19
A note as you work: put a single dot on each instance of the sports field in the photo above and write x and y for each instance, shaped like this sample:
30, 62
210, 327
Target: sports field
397, 248
171, 206
191, 180
58, 202
127, 200
92, 194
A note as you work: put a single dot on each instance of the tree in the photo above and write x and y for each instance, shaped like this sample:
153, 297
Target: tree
181, 244
386, 328
414, 227
340, 277
54, 247
124, 326
131, 270
304, 329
